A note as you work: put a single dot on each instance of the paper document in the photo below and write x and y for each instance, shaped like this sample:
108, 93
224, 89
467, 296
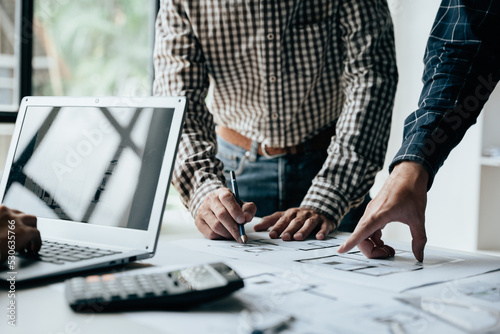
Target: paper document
399, 273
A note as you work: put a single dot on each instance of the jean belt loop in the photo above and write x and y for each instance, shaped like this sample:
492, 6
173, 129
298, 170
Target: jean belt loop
254, 151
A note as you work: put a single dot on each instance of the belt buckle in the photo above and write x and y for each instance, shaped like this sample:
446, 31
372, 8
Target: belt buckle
267, 155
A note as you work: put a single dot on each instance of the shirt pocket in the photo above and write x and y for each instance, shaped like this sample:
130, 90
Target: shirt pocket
309, 36
313, 12
306, 46
237, 29
228, 36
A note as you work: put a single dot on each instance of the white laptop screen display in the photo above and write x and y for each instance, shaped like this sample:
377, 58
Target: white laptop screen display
90, 165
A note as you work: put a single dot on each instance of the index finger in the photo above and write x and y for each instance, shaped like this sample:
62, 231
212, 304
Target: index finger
29, 220
249, 210
232, 206
364, 230
419, 239
29, 238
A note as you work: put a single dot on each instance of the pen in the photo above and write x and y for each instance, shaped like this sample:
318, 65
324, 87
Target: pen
243, 236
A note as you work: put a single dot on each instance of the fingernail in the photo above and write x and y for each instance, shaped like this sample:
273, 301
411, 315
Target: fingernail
240, 219
386, 250
273, 234
320, 236
286, 236
299, 236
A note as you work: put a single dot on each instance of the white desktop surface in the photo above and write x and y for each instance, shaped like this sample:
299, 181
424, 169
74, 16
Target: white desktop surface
44, 309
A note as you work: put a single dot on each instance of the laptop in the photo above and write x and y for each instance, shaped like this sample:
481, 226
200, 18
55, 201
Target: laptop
96, 173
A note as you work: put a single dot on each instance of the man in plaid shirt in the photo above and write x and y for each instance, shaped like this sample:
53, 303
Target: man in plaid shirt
462, 67
301, 101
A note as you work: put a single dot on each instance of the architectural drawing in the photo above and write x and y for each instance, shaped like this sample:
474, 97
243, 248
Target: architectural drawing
481, 290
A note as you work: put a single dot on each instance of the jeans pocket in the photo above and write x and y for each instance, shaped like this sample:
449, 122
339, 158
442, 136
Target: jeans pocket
230, 161
234, 163
232, 157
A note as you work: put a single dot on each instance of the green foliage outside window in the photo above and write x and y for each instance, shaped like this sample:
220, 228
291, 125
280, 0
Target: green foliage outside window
93, 47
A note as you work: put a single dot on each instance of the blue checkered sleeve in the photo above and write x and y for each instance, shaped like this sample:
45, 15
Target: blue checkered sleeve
462, 67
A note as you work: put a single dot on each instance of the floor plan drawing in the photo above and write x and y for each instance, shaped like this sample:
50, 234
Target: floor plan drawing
481, 290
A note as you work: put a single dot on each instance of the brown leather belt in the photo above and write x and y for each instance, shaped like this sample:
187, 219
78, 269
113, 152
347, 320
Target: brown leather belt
319, 142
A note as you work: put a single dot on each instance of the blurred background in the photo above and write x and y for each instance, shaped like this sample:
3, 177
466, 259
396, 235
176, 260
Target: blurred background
80, 48
91, 47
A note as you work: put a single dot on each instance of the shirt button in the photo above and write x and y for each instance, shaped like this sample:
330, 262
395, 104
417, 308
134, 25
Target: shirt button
270, 37
272, 78
274, 116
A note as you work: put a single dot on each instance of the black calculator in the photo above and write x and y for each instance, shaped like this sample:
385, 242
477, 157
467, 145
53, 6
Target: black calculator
169, 290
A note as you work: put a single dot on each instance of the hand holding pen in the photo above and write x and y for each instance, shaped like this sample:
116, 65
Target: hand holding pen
221, 215
241, 227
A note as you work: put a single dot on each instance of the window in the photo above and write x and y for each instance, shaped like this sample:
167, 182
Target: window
93, 47
75, 48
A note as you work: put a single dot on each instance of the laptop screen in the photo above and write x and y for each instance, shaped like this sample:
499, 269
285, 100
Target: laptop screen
93, 165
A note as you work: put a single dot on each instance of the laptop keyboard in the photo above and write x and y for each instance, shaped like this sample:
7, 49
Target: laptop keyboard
60, 253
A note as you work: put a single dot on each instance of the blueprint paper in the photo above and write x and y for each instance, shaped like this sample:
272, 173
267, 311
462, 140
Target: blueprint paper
397, 274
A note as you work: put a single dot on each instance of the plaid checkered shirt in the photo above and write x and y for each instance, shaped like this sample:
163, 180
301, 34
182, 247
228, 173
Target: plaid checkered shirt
280, 72
462, 67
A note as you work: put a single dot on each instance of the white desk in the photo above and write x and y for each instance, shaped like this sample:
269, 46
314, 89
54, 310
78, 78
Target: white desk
44, 309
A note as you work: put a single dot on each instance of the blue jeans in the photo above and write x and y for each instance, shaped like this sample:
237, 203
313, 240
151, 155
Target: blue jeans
277, 184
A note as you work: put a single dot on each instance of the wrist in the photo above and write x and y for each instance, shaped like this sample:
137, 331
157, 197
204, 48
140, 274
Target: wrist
412, 172
199, 195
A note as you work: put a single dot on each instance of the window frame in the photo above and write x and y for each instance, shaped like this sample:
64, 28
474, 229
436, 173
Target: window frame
24, 29
8, 112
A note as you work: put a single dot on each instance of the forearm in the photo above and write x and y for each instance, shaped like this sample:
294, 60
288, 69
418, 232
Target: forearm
180, 70
432, 132
197, 171
358, 150
461, 72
